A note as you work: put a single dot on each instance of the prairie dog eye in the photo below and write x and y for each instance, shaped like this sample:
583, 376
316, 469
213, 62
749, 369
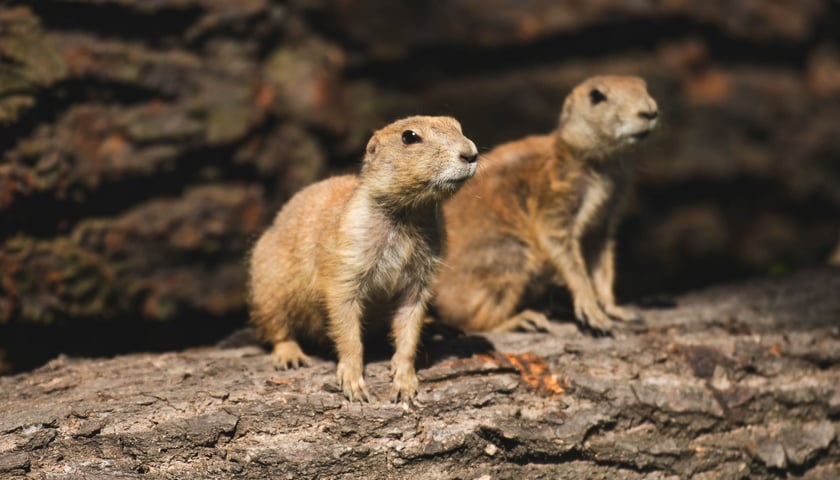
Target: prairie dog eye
596, 96
409, 137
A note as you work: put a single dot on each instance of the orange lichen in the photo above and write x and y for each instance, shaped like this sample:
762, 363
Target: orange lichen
252, 216
113, 146
79, 60
709, 87
265, 96
493, 360
535, 372
115, 241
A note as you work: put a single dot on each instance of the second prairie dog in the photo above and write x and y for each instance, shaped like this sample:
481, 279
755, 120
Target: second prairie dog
543, 210
351, 252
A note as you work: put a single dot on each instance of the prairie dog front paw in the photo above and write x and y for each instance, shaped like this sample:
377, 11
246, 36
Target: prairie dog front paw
405, 383
351, 381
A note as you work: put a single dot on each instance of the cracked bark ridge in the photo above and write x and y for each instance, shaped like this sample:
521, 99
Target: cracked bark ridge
741, 381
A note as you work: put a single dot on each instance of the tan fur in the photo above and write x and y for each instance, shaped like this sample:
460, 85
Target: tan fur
353, 252
543, 210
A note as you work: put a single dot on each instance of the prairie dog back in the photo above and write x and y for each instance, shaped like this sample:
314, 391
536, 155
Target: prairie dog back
286, 254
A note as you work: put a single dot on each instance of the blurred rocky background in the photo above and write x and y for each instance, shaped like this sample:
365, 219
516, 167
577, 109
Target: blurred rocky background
144, 144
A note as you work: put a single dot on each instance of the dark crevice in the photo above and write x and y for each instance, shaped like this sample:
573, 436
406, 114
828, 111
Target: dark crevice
327, 25
155, 26
762, 192
737, 201
632, 467
430, 64
544, 458
577, 455
262, 33
27, 345
159, 27
7, 61
598, 429
820, 362
638, 281
495, 436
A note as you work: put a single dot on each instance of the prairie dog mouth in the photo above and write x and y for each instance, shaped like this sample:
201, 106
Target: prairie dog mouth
640, 135
453, 183
458, 181
457, 177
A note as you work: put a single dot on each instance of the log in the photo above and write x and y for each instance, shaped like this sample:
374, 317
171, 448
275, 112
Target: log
737, 381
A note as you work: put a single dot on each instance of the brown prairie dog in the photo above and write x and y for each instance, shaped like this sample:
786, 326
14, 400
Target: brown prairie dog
543, 210
352, 252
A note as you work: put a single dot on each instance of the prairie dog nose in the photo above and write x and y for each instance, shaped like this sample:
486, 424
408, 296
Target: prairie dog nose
470, 157
651, 115
469, 154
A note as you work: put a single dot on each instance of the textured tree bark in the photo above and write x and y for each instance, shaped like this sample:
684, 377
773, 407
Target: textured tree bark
145, 143
741, 381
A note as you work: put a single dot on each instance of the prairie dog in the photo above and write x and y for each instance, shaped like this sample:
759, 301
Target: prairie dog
354, 252
544, 209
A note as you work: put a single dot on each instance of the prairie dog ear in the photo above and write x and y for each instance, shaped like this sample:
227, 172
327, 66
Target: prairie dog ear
373, 143
566, 112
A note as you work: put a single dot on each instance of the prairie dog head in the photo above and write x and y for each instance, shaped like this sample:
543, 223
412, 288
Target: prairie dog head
418, 160
606, 113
